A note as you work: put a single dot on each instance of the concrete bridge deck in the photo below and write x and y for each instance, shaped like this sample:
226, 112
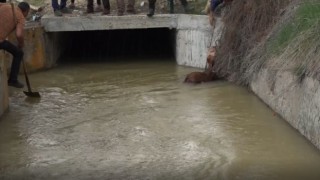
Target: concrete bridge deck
193, 33
94, 22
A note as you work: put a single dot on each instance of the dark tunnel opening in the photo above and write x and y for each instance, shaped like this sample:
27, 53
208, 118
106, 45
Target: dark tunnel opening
109, 45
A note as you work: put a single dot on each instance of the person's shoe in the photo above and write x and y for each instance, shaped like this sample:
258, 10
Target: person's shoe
15, 84
106, 12
66, 10
89, 10
131, 11
72, 6
98, 9
120, 13
151, 12
58, 13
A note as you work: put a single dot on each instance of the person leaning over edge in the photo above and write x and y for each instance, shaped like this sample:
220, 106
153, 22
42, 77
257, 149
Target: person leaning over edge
8, 24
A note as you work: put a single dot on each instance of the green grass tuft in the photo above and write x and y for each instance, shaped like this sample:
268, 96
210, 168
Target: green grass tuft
307, 15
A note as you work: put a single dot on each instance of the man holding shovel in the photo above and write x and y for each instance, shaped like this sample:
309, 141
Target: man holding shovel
9, 23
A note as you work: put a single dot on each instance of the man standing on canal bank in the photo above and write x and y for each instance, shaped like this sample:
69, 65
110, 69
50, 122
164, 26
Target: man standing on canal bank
10, 22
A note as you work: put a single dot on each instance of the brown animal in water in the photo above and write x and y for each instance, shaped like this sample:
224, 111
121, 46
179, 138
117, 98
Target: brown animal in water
199, 77
208, 74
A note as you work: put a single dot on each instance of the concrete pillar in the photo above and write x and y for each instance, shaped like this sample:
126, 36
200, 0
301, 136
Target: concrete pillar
55, 43
194, 37
191, 47
4, 97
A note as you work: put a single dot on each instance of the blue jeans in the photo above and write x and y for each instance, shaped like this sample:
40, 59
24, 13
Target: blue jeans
17, 54
215, 4
56, 6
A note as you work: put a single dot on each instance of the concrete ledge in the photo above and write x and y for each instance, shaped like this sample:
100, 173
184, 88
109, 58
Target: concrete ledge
93, 22
193, 22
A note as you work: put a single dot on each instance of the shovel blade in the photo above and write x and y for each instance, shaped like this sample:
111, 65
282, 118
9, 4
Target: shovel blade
32, 94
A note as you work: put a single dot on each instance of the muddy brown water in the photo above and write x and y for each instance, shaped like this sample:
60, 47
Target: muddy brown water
137, 120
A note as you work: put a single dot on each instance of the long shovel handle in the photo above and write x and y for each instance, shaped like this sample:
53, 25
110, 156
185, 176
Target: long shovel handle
26, 76
29, 93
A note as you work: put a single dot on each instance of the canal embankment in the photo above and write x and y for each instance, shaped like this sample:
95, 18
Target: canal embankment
277, 57
290, 89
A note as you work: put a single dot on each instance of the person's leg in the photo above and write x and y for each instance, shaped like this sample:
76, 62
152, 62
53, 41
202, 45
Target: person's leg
120, 4
90, 6
63, 4
152, 7
72, 6
215, 4
63, 7
56, 8
17, 54
171, 6
185, 6
55, 5
184, 2
130, 7
106, 7
98, 8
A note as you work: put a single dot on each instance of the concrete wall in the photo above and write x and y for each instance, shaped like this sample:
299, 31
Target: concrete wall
193, 37
35, 52
54, 47
4, 98
296, 102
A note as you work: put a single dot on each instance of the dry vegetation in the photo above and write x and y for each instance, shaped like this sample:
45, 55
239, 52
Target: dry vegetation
281, 34
247, 24
298, 42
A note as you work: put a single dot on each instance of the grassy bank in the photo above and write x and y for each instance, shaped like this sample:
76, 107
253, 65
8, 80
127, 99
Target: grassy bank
297, 44
280, 34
